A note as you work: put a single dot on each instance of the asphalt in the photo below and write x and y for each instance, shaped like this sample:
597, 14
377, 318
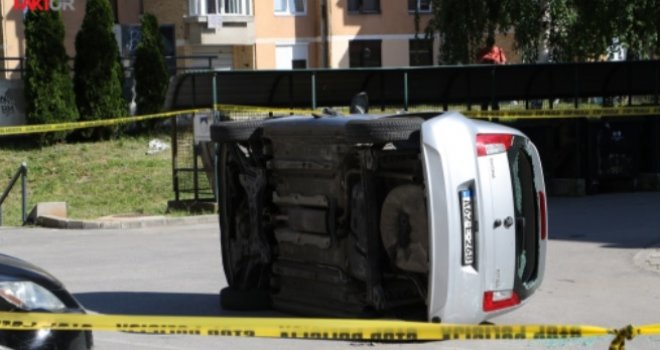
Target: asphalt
602, 269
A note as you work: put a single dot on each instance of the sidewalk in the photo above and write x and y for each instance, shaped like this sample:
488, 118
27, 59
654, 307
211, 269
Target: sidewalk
123, 222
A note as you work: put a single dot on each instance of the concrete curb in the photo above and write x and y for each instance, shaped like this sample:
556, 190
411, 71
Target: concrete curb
123, 223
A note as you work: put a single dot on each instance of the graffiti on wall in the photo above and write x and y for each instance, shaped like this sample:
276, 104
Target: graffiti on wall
7, 104
12, 103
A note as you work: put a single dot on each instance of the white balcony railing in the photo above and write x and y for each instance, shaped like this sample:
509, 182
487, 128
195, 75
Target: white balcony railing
220, 7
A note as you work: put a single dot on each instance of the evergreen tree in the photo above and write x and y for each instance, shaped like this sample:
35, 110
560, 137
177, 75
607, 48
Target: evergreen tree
48, 87
98, 72
151, 77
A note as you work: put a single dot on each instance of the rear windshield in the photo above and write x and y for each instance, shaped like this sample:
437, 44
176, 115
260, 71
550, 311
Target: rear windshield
525, 203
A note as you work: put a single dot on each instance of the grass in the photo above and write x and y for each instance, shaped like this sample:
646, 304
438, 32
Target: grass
94, 179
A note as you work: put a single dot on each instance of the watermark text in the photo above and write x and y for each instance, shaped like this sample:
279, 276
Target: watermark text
44, 5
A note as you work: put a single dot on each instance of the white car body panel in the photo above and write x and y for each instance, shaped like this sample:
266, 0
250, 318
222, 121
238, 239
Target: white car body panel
456, 292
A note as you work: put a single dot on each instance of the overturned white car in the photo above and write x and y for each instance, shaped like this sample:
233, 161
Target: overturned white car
416, 216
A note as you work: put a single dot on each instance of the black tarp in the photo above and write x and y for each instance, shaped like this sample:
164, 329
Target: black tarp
439, 85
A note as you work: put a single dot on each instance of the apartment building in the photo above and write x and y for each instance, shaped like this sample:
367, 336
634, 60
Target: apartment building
286, 34
224, 29
263, 34
127, 27
12, 38
342, 34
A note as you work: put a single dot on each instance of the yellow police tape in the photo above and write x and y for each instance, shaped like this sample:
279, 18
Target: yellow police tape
306, 328
567, 113
33, 129
504, 114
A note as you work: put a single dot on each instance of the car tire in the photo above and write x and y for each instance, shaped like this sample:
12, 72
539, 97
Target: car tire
382, 130
235, 131
234, 299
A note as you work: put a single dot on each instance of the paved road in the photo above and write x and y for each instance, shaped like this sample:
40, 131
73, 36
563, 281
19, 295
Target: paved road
599, 272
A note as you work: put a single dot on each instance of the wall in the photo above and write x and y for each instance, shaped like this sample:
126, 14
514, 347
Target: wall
12, 103
2, 41
393, 18
243, 57
395, 53
128, 11
272, 29
72, 22
169, 12
13, 43
394, 26
235, 30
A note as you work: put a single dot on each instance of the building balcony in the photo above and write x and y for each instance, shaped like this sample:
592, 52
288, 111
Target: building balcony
220, 22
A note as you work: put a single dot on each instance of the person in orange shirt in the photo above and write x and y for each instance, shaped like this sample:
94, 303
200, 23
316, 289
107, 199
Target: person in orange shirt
491, 54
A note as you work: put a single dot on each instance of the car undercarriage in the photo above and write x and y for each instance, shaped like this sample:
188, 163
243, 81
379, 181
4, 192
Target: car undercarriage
324, 217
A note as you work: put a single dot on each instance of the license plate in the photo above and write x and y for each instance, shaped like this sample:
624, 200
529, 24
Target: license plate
467, 227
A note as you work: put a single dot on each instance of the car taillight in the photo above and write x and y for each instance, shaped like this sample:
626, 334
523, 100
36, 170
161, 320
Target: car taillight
544, 216
497, 300
488, 144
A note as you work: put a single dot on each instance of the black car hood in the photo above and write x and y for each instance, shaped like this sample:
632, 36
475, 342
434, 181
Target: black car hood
15, 269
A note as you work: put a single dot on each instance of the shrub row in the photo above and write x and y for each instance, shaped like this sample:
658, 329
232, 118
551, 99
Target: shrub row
96, 89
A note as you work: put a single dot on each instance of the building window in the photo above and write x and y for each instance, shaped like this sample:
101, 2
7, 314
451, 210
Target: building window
220, 7
421, 52
364, 6
364, 53
421, 5
299, 64
236, 7
290, 7
212, 7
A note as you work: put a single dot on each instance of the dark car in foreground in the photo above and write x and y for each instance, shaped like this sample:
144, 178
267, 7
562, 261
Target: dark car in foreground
25, 287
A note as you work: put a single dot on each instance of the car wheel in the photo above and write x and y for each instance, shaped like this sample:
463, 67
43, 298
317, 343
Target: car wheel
403, 227
382, 130
235, 131
244, 300
245, 253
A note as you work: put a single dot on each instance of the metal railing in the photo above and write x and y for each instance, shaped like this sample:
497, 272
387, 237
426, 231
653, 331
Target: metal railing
20, 68
22, 173
190, 62
221, 7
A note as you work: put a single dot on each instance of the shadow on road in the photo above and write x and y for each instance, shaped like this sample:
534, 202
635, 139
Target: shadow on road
622, 220
160, 304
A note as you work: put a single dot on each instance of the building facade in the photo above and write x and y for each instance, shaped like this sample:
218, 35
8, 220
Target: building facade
342, 34
224, 29
289, 34
263, 34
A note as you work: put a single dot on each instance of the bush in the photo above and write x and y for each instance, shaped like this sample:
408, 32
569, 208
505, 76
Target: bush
98, 72
49, 93
151, 77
